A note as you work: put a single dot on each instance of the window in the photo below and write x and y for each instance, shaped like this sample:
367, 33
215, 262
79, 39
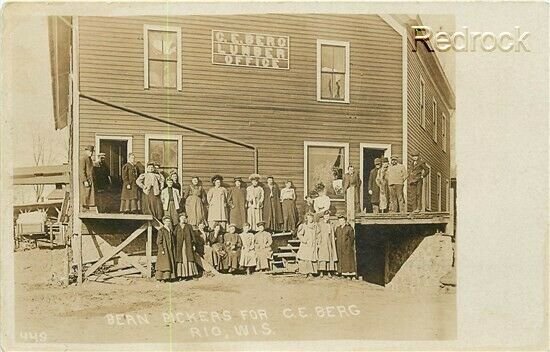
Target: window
427, 190
439, 192
162, 63
164, 150
325, 163
444, 133
422, 103
332, 71
434, 120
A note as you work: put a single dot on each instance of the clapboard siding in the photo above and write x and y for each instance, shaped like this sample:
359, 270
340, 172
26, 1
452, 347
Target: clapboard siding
422, 139
275, 110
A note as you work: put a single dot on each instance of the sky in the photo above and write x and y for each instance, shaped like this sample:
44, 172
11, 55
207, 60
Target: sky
29, 95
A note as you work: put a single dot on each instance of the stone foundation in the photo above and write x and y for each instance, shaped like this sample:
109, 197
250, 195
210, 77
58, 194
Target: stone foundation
404, 257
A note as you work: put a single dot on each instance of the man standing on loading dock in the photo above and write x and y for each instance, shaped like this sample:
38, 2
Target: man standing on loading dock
397, 174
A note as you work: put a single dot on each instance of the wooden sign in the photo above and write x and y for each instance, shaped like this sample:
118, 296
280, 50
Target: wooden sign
250, 50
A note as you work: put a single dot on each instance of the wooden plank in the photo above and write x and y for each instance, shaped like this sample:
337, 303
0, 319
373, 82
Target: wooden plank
42, 169
112, 274
134, 262
41, 180
116, 250
115, 216
149, 248
408, 221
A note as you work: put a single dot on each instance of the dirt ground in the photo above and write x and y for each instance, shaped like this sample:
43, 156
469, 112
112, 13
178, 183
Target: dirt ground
220, 308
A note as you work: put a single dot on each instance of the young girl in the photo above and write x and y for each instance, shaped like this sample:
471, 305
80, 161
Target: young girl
326, 246
171, 198
248, 250
195, 201
307, 206
166, 261
254, 201
233, 245
264, 253
217, 202
186, 268
288, 199
151, 184
308, 234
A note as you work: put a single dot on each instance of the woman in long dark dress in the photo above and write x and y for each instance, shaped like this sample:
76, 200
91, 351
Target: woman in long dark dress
151, 184
129, 197
345, 248
166, 260
237, 204
273, 215
288, 201
186, 267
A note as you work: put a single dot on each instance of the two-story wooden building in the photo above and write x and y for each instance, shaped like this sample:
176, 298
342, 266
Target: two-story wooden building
297, 97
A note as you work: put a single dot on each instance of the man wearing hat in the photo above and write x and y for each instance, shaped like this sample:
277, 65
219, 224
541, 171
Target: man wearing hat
397, 174
86, 169
102, 181
417, 171
374, 189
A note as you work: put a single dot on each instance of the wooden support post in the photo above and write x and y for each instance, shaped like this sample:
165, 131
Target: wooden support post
149, 249
450, 227
77, 252
66, 262
51, 236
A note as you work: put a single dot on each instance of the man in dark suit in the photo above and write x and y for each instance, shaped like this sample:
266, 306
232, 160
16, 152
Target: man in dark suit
374, 190
86, 171
417, 171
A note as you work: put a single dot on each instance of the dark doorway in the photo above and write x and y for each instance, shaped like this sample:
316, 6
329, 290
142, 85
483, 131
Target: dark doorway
116, 155
369, 154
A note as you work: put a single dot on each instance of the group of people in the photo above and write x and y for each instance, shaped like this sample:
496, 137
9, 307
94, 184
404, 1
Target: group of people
150, 191
326, 249
386, 182
183, 250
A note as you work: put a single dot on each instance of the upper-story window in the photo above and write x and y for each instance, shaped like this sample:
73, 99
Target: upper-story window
162, 62
332, 71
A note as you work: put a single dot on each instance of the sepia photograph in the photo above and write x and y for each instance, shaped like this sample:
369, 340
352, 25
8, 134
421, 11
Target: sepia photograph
213, 179
236, 177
